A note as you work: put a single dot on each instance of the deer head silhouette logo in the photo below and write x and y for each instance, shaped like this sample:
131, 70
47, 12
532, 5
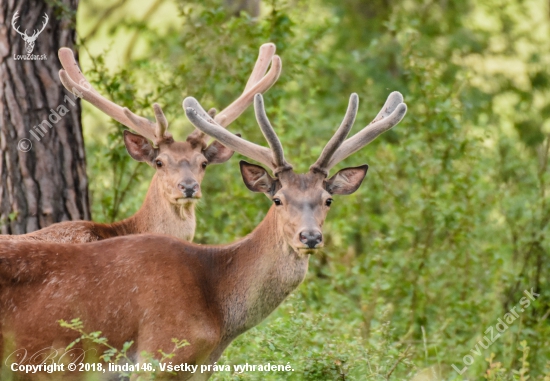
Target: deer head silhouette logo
29, 40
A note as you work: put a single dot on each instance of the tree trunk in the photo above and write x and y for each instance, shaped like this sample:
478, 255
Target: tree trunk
252, 7
42, 163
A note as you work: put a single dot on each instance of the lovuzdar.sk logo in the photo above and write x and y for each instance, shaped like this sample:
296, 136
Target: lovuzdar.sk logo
29, 40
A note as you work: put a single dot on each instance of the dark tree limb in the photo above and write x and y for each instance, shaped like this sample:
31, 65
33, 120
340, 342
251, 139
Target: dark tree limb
252, 7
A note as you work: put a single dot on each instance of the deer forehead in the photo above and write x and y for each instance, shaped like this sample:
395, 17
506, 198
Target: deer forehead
181, 152
305, 188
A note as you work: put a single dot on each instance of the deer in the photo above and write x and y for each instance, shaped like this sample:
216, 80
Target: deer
169, 206
155, 288
29, 40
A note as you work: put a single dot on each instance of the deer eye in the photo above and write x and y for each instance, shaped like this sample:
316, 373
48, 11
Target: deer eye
328, 202
204, 164
158, 163
277, 201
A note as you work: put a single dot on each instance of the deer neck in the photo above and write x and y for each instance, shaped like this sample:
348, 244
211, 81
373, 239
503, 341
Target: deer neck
253, 276
158, 215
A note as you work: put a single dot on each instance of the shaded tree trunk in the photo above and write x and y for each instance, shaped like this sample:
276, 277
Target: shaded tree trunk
252, 7
42, 161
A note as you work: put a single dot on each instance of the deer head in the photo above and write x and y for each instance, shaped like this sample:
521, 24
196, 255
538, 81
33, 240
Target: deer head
180, 166
29, 40
301, 201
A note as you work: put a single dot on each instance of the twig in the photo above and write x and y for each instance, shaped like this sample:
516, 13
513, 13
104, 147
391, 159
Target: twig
425, 343
399, 359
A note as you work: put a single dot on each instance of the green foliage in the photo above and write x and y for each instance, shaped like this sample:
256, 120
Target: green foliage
150, 363
450, 226
318, 348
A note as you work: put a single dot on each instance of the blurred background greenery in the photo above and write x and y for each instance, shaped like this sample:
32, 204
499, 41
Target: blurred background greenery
449, 227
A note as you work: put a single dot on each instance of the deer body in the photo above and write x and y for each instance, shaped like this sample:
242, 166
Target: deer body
215, 293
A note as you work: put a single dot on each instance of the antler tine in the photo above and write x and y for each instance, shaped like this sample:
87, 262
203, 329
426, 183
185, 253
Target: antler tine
66, 57
257, 83
120, 114
267, 51
201, 120
391, 114
162, 123
394, 99
69, 77
279, 161
338, 138
159, 133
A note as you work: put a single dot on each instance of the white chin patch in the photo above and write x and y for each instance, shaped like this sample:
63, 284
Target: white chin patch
186, 200
307, 250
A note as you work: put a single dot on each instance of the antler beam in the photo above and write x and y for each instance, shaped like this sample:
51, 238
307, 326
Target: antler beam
200, 119
270, 135
258, 82
337, 149
339, 137
74, 81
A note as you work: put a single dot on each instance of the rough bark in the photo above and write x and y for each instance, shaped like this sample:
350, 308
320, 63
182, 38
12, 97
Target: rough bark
48, 183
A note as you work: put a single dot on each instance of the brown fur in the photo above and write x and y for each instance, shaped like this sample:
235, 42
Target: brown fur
152, 288
146, 288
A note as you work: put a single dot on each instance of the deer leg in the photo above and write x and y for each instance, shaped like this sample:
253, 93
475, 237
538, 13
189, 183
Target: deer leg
201, 346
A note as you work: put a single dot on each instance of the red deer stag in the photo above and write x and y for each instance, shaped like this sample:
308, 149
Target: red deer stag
169, 206
152, 288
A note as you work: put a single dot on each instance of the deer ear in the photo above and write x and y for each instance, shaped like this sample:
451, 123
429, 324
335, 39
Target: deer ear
217, 153
256, 178
138, 147
347, 180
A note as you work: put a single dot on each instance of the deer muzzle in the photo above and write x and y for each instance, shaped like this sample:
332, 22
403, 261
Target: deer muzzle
311, 238
189, 189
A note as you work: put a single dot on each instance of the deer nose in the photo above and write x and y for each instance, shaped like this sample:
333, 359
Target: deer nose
311, 238
189, 188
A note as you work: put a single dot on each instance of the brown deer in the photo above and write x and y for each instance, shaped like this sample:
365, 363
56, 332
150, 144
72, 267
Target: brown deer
152, 288
169, 206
